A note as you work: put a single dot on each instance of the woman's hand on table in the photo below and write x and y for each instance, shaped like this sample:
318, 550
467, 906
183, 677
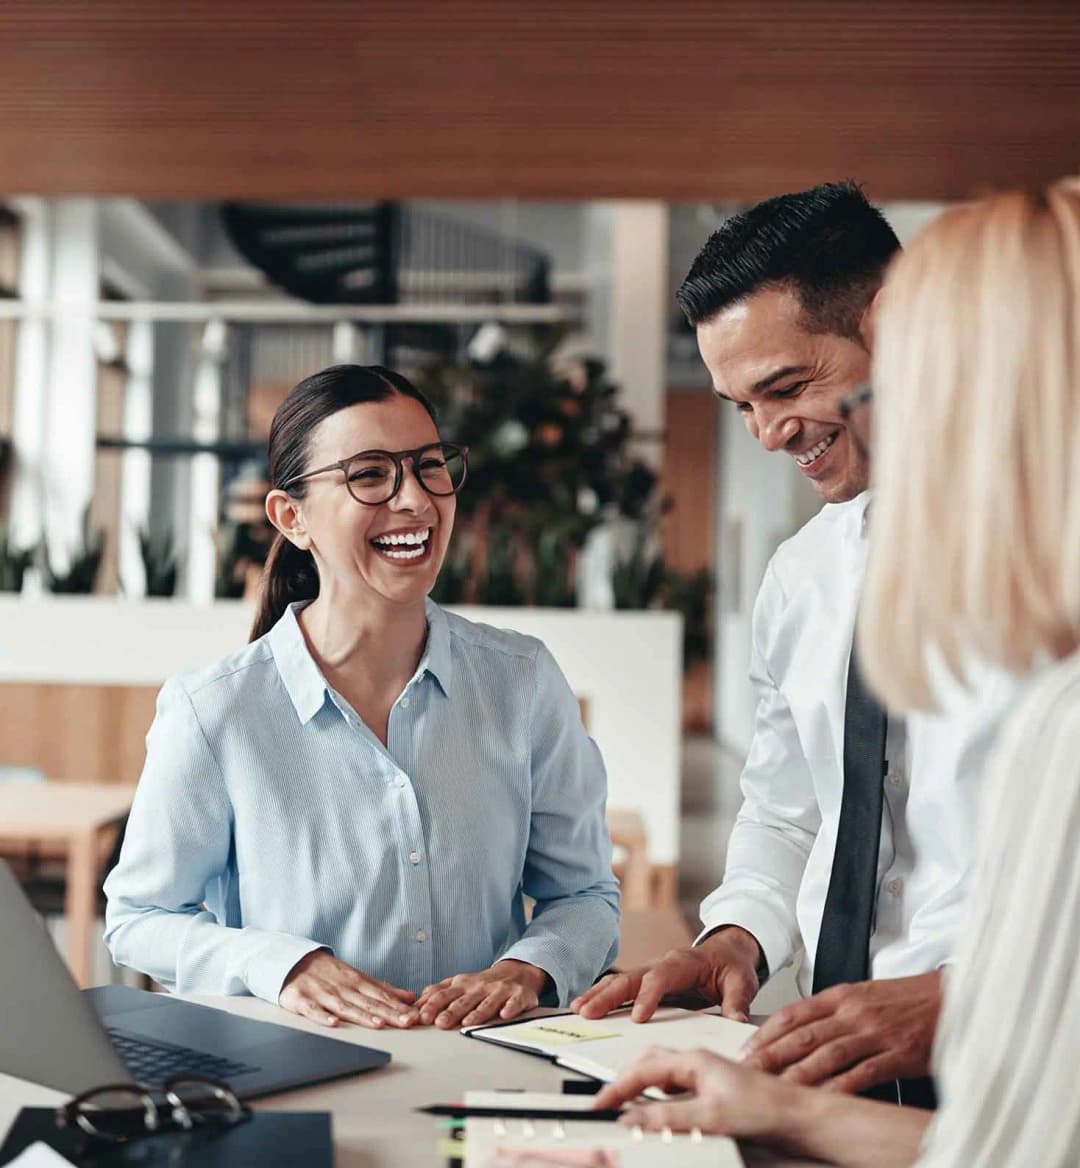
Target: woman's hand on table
723, 1097
504, 991
327, 990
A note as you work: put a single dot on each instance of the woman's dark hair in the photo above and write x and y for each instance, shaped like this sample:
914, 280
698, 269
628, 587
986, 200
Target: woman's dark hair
290, 573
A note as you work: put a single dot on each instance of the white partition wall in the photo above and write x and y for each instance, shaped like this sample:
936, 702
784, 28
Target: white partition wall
625, 665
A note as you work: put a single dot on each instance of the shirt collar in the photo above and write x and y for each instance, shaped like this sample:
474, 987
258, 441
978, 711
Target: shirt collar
305, 683
437, 659
860, 510
301, 677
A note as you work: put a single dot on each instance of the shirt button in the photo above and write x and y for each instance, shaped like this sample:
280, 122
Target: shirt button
421, 935
414, 857
404, 703
896, 779
895, 886
399, 781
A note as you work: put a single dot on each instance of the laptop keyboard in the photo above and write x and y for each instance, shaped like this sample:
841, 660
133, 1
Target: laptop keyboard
151, 1062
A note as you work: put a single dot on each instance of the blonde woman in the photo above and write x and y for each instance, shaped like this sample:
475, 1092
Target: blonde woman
975, 556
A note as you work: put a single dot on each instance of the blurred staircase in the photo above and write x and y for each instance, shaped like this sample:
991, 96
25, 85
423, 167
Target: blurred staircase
384, 253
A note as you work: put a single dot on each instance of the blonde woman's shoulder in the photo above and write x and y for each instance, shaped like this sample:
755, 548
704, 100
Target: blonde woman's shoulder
1046, 721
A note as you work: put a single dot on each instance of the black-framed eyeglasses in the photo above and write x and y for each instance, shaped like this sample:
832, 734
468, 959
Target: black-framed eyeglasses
855, 409
119, 1112
375, 476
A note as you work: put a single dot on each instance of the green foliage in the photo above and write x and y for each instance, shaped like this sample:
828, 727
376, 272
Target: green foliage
159, 562
691, 595
549, 460
13, 563
452, 585
232, 548
83, 567
553, 560
500, 586
638, 579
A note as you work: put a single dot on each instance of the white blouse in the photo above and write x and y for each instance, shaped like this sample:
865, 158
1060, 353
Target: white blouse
1007, 1055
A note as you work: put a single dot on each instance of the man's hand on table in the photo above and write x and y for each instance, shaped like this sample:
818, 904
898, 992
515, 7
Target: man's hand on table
504, 991
327, 990
851, 1037
722, 969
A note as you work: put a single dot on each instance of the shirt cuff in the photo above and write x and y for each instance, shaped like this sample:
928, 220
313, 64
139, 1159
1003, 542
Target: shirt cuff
539, 953
268, 968
772, 934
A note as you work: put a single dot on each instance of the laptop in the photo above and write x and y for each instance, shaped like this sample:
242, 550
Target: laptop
73, 1040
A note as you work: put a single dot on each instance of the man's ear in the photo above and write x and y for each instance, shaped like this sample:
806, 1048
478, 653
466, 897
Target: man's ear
868, 322
286, 514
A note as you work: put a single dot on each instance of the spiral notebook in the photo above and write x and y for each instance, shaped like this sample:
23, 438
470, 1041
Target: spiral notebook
605, 1047
564, 1142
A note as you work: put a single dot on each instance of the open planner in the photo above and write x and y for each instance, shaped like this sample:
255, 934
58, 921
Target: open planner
563, 1141
603, 1048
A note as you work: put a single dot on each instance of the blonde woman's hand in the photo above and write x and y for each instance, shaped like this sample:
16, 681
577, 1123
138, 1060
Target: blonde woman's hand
722, 1097
327, 990
507, 989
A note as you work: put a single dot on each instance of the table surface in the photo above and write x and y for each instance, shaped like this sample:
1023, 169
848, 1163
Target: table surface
58, 811
374, 1122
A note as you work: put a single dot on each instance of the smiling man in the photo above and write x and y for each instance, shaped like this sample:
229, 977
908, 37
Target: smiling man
851, 851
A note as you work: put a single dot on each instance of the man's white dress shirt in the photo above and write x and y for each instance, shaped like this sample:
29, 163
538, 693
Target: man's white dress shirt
781, 849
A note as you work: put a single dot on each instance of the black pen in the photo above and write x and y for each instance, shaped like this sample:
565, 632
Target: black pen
456, 1111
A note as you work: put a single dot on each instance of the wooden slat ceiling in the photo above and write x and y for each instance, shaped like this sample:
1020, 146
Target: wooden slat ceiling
464, 98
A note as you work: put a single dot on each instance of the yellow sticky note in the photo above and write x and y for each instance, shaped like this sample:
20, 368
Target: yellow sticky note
559, 1031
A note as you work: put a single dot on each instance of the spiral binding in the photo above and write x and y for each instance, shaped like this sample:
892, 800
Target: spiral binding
532, 1130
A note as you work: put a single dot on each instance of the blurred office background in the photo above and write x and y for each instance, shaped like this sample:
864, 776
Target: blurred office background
200, 205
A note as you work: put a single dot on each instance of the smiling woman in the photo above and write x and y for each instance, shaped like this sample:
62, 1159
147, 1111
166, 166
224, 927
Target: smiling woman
313, 442
345, 816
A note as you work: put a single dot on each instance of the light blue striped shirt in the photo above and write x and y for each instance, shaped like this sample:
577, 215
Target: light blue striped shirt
270, 821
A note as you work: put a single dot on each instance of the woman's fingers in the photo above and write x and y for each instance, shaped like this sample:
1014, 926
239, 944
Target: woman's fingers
406, 996
488, 1006
658, 1067
681, 1116
393, 1008
518, 1002
427, 991
305, 1007
454, 1011
330, 1004
438, 1002
378, 1010
327, 990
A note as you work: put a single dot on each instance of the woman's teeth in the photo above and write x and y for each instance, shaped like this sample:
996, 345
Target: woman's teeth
409, 545
815, 451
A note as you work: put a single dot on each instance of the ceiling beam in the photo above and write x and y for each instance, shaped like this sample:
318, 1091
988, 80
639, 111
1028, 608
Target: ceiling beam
330, 99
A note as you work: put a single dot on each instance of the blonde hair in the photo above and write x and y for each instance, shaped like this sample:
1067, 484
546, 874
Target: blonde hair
975, 522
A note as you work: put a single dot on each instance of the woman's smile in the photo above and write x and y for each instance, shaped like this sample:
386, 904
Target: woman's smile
404, 546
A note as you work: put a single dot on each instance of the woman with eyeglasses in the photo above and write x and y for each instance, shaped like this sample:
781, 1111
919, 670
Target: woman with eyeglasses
975, 555
344, 816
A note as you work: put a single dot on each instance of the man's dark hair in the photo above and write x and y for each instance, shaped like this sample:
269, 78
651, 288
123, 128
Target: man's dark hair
828, 243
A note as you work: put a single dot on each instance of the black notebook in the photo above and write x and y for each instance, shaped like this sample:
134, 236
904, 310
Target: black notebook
268, 1139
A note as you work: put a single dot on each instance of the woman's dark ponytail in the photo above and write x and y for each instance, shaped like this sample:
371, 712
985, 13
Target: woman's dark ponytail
290, 573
